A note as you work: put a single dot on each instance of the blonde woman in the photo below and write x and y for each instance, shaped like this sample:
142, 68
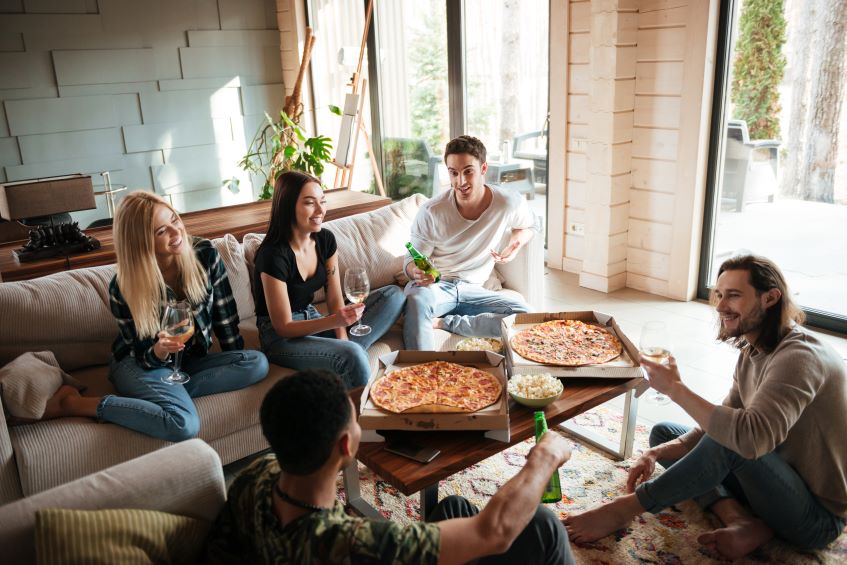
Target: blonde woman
159, 262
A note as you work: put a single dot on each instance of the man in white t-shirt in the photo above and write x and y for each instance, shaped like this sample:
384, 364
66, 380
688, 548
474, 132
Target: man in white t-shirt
459, 231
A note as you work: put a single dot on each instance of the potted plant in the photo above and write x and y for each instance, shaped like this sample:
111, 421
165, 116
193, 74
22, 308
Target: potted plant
282, 145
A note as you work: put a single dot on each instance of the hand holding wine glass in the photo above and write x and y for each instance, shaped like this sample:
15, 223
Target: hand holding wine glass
177, 325
655, 346
357, 287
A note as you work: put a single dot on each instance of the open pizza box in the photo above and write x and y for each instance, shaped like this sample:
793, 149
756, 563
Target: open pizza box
494, 419
625, 366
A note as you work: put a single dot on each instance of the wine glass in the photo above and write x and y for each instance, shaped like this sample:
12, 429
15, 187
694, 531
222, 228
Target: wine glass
357, 287
178, 324
655, 345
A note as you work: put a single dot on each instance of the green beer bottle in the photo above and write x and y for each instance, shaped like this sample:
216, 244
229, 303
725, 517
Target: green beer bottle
553, 492
422, 262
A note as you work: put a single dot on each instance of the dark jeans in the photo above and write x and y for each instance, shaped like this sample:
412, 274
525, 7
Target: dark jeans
544, 540
768, 485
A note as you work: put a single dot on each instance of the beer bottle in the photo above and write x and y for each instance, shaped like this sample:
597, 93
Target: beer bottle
553, 492
422, 262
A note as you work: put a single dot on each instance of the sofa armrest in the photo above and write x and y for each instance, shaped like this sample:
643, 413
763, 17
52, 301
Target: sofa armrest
525, 273
185, 478
10, 481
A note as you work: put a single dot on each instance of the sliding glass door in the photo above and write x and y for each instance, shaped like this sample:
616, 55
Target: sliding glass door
778, 177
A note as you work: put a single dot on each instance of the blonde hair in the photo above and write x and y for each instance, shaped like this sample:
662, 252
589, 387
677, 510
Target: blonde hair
138, 273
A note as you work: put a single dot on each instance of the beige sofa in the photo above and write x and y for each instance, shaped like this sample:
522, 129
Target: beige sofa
184, 479
68, 313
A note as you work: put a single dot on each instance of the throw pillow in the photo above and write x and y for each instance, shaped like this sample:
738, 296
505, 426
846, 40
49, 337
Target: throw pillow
117, 536
232, 254
28, 382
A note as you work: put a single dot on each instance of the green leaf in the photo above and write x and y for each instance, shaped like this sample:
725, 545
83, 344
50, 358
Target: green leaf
288, 121
335, 110
289, 151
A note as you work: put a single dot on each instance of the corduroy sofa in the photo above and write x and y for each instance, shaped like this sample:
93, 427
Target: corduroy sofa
184, 479
68, 313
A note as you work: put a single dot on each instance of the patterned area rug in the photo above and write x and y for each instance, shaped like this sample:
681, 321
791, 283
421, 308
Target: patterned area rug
589, 478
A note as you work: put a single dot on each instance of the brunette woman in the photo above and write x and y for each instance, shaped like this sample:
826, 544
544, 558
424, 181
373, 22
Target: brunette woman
158, 262
296, 259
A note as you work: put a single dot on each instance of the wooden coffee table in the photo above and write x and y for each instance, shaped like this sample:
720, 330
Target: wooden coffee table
460, 450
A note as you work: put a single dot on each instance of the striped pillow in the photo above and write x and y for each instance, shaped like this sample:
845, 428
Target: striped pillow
117, 536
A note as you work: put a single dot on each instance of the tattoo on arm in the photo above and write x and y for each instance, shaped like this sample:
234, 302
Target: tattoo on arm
331, 271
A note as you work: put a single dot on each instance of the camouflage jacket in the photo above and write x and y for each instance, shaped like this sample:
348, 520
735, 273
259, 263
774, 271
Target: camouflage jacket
248, 531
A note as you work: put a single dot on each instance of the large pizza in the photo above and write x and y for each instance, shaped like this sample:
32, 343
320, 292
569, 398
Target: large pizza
436, 387
568, 343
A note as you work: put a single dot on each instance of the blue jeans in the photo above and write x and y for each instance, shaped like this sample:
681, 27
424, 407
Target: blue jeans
544, 540
165, 411
465, 308
768, 485
347, 359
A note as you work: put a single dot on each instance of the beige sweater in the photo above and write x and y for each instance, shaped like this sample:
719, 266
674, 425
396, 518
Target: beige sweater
792, 401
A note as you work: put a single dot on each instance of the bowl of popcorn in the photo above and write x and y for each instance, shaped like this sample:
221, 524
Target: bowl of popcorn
480, 344
535, 391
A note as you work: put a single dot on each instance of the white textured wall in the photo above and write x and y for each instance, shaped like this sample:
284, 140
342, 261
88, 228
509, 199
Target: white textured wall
672, 104
163, 94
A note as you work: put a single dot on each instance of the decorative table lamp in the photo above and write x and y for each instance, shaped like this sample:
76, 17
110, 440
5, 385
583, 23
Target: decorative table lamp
20, 200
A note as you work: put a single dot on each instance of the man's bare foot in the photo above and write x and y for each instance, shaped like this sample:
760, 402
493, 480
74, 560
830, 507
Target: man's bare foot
437, 324
60, 404
737, 539
603, 520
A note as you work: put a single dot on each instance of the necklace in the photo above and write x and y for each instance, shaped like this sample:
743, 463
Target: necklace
294, 502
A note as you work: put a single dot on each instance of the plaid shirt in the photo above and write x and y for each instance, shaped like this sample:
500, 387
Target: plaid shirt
218, 313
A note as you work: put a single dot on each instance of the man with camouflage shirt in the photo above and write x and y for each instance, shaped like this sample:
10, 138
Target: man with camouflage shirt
293, 515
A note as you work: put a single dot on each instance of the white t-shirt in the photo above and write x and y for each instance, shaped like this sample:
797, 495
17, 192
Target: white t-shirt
459, 247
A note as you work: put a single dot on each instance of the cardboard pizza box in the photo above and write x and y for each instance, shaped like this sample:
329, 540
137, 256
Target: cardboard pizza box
494, 419
624, 366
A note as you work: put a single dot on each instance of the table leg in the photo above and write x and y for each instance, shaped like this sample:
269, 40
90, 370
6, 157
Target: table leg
429, 498
624, 449
350, 475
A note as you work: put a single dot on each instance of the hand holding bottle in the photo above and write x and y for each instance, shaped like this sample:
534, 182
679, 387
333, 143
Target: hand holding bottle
558, 447
424, 272
544, 441
420, 277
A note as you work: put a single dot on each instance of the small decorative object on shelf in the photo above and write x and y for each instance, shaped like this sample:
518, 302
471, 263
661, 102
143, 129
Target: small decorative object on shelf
60, 239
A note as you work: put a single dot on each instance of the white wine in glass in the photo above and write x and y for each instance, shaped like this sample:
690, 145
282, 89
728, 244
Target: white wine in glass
655, 345
178, 324
357, 287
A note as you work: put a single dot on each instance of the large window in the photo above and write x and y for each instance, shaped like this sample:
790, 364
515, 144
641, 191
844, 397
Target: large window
445, 68
338, 26
413, 94
779, 149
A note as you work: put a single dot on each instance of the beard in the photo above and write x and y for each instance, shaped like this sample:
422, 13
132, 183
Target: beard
747, 323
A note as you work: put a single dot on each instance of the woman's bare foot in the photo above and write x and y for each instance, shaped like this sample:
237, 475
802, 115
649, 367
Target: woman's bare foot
603, 520
737, 539
61, 403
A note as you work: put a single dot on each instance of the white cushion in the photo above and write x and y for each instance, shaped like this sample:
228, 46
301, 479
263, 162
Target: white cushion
28, 382
232, 254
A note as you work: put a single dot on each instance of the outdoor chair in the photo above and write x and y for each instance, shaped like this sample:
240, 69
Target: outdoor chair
532, 146
739, 153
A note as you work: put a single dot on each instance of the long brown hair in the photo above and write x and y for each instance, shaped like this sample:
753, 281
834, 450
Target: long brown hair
764, 275
138, 273
287, 189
